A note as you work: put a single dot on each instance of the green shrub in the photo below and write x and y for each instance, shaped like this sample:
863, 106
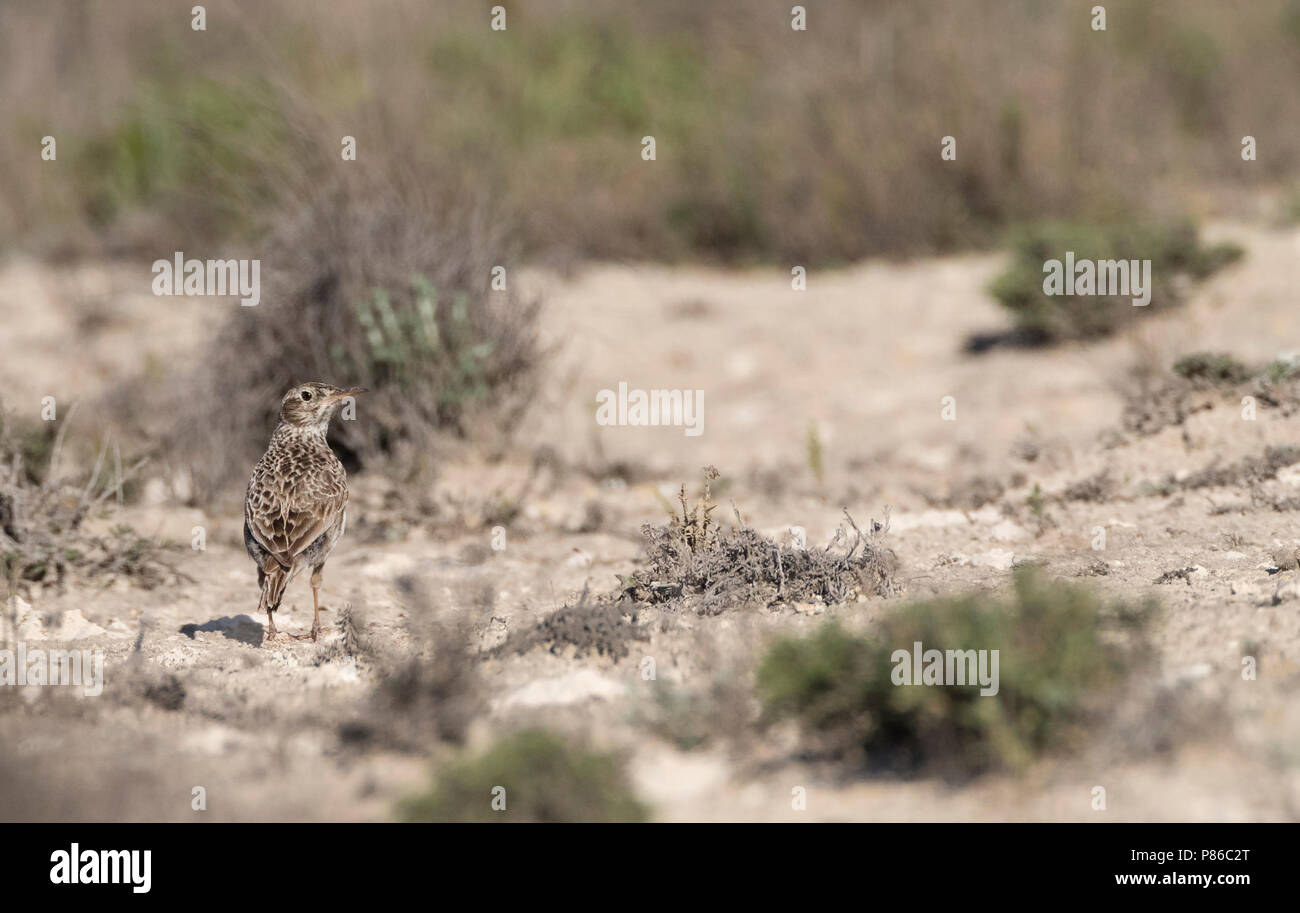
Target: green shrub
1281, 369
544, 780
1213, 367
198, 152
1059, 660
1172, 250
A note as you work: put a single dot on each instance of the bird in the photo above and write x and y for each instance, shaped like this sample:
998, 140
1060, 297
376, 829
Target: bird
295, 508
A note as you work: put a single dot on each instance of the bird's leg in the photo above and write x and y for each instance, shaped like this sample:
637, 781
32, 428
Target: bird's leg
315, 603
265, 603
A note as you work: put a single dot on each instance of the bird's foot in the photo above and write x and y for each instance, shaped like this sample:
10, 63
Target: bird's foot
316, 630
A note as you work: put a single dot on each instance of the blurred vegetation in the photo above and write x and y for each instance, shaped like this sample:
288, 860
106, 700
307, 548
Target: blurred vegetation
46, 532
1213, 368
196, 151
1173, 250
368, 284
540, 777
1062, 655
812, 147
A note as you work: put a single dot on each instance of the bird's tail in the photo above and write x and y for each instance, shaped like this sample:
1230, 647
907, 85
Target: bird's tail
273, 584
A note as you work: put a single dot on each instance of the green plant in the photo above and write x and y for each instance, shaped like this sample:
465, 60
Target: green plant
1213, 367
1061, 654
815, 452
198, 151
408, 339
1171, 250
532, 776
1281, 369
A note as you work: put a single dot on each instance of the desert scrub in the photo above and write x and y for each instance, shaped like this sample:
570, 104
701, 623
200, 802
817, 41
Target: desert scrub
1155, 399
602, 627
1213, 368
538, 776
1173, 250
368, 284
429, 691
696, 564
43, 514
1062, 655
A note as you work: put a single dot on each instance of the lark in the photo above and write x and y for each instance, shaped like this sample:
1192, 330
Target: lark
295, 510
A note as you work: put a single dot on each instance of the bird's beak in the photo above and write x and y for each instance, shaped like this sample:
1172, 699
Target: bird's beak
344, 394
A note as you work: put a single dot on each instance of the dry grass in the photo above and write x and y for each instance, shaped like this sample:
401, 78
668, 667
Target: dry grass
44, 512
604, 628
695, 564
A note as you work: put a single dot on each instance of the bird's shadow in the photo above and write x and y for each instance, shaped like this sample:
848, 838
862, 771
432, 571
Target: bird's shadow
240, 628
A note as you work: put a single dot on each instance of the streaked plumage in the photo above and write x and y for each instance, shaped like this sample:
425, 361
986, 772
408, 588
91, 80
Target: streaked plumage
295, 510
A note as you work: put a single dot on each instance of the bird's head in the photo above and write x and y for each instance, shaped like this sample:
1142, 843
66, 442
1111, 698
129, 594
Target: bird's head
312, 405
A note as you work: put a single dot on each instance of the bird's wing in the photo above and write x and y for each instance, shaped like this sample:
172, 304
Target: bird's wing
285, 521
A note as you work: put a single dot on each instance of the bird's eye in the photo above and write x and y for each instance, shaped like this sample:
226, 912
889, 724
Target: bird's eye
306, 396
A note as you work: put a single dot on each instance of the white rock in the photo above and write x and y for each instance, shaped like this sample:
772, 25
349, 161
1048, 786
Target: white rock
20, 621
75, 626
998, 559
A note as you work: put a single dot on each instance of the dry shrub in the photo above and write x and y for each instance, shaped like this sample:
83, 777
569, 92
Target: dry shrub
605, 628
371, 283
1095, 489
1155, 399
970, 493
1247, 471
43, 514
695, 564
428, 693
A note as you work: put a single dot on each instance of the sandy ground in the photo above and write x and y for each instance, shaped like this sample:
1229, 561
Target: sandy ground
862, 361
